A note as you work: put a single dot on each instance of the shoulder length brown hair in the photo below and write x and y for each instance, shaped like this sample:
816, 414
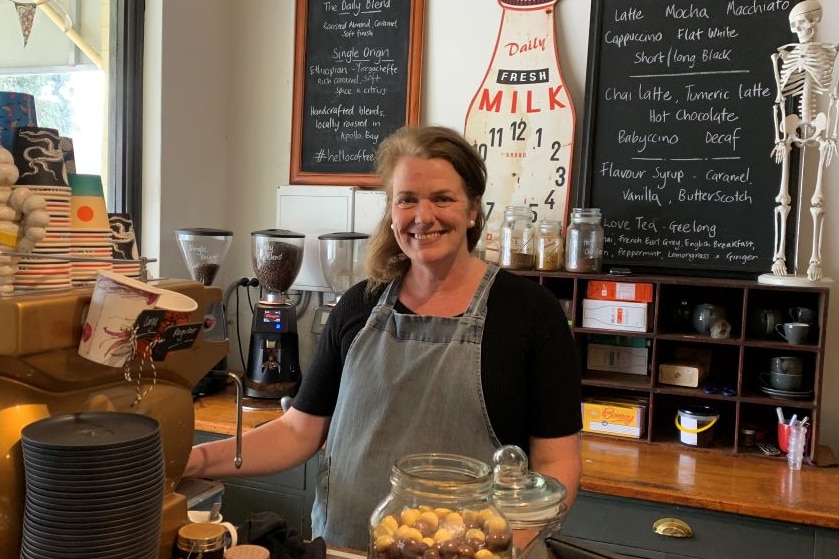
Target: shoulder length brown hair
385, 260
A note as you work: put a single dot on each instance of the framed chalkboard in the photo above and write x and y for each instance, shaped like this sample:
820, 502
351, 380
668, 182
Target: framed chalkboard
678, 133
356, 80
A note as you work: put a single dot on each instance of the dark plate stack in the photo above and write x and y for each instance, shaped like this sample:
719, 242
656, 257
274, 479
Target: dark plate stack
94, 487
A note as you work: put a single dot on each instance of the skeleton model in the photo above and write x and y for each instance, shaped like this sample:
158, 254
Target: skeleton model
803, 73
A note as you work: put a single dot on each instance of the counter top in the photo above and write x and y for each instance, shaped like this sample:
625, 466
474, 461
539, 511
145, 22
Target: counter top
752, 486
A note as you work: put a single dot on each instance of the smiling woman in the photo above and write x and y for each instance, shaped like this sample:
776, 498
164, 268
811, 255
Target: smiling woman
64, 54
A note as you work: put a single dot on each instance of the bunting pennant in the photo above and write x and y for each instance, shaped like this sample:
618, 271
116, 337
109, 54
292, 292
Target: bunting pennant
26, 15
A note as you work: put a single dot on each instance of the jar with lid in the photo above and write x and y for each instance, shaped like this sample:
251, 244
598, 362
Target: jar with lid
584, 241
549, 246
201, 540
439, 505
517, 246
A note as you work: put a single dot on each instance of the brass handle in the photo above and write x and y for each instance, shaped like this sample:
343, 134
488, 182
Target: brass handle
672, 528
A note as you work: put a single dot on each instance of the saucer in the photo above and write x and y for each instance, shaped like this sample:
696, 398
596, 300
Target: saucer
794, 394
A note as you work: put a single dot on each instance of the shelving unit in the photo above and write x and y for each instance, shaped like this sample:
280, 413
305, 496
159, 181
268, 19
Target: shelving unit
736, 361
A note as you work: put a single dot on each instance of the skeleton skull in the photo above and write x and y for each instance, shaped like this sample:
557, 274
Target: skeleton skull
804, 18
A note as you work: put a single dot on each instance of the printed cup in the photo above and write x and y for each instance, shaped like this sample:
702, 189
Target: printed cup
87, 203
116, 303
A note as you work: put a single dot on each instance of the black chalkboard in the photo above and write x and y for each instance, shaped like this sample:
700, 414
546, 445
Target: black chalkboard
357, 70
679, 130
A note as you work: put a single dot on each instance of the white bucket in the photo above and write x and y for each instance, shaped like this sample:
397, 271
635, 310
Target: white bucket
695, 424
116, 303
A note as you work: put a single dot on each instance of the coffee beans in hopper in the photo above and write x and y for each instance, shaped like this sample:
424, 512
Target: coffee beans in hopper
278, 266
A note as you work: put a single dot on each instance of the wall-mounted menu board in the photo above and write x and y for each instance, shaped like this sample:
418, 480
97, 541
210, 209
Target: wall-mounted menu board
356, 80
679, 130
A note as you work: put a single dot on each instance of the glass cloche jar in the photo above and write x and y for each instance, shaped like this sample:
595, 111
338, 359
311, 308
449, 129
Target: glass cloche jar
528, 500
440, 505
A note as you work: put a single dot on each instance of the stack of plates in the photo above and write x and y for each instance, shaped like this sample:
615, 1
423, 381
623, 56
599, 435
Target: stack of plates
94, 487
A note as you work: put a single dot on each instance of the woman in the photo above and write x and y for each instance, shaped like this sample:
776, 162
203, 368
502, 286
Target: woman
436, 352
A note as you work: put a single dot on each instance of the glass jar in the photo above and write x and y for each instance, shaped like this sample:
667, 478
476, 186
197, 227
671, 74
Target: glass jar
439, 506
517, 246
584, 241
549, 246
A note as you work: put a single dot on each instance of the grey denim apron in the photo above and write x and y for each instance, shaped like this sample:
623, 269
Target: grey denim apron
411, 384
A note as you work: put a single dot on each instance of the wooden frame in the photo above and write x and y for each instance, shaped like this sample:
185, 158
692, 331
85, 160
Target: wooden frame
298, 174
745, 225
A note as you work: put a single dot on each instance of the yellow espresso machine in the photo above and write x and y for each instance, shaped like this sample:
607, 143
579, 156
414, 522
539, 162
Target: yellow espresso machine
42, 374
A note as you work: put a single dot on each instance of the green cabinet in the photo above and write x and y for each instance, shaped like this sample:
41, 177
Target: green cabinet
289, 494
625, 526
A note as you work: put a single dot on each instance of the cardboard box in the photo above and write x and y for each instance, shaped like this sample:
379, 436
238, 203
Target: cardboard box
620, 291
623, 418
682, 374
615, 315
617, 359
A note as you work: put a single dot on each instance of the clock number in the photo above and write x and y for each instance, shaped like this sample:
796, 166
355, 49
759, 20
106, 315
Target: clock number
517, 130
555, 146
533, 211
496, 134
482, 150
539, 137
561, 173
491, 206
549, 201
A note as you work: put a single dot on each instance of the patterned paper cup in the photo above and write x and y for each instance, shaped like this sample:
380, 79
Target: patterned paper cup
116, 303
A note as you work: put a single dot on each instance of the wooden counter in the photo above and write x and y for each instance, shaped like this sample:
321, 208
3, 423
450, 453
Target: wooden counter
752, 486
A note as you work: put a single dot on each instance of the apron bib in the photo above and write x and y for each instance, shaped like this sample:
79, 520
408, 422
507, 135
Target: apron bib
411, 384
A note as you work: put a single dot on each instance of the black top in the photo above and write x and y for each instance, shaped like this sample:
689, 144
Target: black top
530, 368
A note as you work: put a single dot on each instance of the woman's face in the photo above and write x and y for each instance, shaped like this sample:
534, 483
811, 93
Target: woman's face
431, 211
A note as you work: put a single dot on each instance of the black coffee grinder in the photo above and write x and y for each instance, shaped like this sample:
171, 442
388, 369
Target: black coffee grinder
273, 362
203, 251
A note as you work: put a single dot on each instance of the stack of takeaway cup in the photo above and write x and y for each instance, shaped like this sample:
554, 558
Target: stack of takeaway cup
90, 232
40, 162
16, 110
124, 245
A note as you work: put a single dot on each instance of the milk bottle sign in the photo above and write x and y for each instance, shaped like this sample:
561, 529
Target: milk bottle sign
521, 120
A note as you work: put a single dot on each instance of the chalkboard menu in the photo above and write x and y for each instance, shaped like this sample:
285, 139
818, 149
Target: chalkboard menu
679, 130
357, 66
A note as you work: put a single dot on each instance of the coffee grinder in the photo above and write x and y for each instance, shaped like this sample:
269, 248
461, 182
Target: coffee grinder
203, 251
342, 265
273, 362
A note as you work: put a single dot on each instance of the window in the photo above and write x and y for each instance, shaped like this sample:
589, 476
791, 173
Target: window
82, 61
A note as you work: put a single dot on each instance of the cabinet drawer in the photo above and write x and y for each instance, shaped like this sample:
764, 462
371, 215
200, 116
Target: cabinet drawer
628, 523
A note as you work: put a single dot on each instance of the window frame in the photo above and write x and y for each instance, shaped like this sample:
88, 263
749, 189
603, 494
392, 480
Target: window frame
125, 109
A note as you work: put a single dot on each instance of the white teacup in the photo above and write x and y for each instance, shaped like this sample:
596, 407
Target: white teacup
199, 516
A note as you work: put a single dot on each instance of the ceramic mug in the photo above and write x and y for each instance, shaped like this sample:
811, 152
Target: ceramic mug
794, 332
782, 381
705, 315
762, 322
802, 314
786, 365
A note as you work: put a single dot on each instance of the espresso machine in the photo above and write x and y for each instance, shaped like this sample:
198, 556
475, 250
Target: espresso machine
204, 250
43, 375
273, 361
342, 265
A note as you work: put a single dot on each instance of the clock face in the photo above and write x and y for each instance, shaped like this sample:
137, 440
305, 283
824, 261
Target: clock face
521, 121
